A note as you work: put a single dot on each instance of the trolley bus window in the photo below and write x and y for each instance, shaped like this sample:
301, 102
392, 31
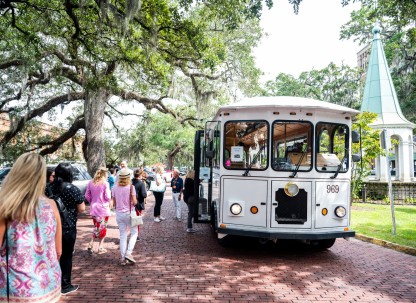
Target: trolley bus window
332, 147
217, 147
245, 145
292, 146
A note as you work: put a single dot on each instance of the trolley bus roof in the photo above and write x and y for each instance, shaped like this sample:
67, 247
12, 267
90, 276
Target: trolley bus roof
290, 103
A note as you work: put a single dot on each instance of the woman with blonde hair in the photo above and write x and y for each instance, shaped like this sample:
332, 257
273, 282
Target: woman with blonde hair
188, 198
158, 195
124, 200
98, 194
30, 230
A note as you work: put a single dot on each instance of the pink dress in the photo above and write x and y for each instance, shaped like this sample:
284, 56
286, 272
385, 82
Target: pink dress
34, 271
99, 197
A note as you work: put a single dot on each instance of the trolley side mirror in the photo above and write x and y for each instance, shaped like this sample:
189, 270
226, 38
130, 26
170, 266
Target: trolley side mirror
355, 136
356, 158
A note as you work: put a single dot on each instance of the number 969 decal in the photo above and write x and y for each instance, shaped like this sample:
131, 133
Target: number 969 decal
334, 189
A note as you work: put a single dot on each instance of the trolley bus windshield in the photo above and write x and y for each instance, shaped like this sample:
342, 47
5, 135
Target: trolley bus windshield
246, 145
292, 146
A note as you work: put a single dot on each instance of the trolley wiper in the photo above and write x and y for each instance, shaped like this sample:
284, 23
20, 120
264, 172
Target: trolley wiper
304, 150
254, 160
339, 167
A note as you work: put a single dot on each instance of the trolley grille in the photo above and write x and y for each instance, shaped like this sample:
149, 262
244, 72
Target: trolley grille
291, 210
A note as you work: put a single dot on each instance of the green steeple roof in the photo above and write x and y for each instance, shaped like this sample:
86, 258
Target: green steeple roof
379, 94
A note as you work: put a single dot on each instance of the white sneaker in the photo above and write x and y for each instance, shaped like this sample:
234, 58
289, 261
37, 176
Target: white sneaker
130, 259
162, 218
190, 230
157, 220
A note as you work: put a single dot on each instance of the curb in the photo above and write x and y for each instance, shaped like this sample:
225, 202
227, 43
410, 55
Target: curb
401, 248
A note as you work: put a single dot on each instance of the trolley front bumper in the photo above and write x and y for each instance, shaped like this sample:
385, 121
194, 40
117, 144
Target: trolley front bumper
286, 235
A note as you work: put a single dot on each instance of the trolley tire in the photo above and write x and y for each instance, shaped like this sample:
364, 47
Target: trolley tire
214, 221
263, 241
226, 242
323, 244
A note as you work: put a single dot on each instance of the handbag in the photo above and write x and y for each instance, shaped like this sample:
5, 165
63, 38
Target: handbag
7, 266
135, 219
153, 186
157, 188
63, 212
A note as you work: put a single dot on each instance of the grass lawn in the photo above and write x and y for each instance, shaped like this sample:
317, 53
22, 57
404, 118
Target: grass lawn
375, 221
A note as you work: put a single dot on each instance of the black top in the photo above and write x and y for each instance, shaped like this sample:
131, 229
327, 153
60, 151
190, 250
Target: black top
71, 196
141, 193
189, 190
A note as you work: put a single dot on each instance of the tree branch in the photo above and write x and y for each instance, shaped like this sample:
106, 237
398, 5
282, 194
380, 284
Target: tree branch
147, 102
20, 123
112, 121
120, 113
78, 124
13, 62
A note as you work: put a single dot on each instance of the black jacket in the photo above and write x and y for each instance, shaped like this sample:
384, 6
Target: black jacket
188, 189
141, 193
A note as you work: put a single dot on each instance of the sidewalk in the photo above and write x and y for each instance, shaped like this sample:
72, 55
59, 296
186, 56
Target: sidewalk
175, 266
159, 253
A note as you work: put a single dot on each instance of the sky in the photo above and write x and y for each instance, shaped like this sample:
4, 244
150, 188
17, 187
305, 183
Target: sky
298, 43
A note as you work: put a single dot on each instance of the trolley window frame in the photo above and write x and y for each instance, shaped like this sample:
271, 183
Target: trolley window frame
226, 152
310, 148
347, 147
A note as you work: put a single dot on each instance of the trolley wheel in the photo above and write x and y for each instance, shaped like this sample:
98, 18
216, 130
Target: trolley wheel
226, 242
263, 241
214, 221
323, 244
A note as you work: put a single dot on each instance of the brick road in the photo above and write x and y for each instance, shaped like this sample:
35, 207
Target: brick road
174, 266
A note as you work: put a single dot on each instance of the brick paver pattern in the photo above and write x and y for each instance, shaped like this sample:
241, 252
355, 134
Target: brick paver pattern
175, 266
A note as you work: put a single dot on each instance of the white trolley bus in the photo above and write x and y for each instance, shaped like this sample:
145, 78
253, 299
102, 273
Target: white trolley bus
276, 168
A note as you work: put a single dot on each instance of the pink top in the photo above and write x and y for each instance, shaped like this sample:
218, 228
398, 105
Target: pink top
99, 197
34, 271
122, 196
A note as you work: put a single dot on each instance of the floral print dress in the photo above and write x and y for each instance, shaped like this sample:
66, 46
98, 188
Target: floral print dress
34, 272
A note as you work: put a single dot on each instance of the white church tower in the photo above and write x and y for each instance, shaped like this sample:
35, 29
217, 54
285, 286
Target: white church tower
380, 98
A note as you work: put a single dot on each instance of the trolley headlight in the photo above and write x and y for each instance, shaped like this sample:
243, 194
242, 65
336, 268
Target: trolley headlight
340, 211
236, 209
291, 189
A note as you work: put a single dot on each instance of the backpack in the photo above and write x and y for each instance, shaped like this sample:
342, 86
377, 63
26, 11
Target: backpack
63, 212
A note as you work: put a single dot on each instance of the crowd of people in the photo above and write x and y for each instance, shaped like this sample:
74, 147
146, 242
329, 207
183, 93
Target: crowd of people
38, 217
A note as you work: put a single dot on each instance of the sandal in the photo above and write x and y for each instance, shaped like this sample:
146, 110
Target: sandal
90, 250
102, 250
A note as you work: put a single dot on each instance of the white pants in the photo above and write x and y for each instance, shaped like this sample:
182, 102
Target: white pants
175, 198
123, 222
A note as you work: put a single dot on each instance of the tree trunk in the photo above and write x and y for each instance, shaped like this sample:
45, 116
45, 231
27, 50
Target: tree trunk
171, 161
94, 108
171, 156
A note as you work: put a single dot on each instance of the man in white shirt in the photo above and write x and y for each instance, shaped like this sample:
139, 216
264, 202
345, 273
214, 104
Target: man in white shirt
123, 164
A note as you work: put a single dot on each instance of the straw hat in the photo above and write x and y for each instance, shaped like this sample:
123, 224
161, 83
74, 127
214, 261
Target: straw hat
124, 173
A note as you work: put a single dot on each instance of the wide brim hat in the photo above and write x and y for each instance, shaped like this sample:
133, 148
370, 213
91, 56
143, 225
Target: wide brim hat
124, 173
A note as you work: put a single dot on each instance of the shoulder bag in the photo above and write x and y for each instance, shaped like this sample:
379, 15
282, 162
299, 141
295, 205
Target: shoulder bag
161, 188
135, 219
63, 212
